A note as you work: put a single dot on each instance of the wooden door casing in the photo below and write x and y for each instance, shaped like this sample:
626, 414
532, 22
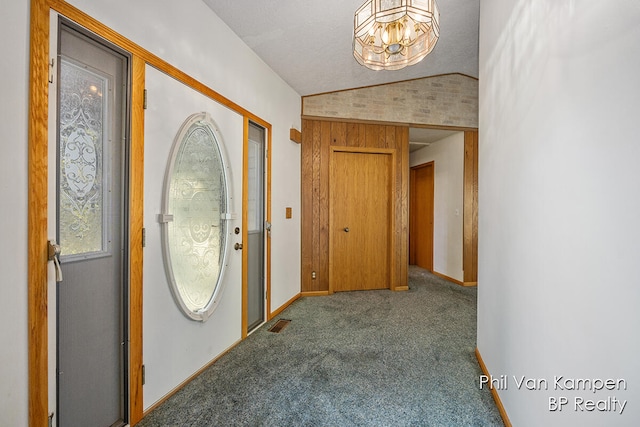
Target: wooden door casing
360, 219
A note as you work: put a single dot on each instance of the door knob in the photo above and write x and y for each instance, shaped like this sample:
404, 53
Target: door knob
237, 246
346, 229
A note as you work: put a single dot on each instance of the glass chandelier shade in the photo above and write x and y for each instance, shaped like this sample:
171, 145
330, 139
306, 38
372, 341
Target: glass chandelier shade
391, 34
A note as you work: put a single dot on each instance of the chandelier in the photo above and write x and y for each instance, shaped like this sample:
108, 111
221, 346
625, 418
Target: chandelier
391, 34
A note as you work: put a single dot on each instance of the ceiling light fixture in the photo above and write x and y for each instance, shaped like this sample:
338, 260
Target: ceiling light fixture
391, 34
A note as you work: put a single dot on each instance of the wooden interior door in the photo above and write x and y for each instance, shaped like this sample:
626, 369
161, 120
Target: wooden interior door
421, 222
360, 218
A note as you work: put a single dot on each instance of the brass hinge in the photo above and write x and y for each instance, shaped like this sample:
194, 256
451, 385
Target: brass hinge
144, 237
144, 102
144, 375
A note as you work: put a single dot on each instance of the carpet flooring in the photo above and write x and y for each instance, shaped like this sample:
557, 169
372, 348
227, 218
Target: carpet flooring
373, 358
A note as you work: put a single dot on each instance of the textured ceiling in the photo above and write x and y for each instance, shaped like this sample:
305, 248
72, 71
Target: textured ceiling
308, 43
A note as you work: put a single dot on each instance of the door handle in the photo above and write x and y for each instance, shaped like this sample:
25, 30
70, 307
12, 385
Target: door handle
346, 229
54, 254
237, 246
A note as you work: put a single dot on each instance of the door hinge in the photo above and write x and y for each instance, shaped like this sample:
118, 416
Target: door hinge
144, 101
144, 237
52, 69
144, 375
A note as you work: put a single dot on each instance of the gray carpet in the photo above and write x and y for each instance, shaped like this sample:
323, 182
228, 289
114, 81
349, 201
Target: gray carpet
374, 358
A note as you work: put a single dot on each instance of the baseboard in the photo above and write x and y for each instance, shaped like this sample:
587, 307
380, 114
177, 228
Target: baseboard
445, 277
283, 306
188, 380
314, 294
494, 392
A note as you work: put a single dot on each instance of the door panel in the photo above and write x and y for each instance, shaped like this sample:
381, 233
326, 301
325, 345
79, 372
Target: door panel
422, 215
360, 220
255, 228
91, 232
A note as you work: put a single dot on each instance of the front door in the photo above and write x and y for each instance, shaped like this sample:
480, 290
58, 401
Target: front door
91, 230
360, 220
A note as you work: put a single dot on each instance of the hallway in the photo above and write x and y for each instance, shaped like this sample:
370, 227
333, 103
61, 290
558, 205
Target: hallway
354, 358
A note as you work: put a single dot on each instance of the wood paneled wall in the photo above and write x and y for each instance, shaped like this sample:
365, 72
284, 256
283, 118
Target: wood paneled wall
470, 214
318, 136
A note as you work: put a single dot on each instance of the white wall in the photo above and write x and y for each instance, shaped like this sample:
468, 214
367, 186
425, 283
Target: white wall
14, 70
559, 236
186, 34
176, 347
448, 155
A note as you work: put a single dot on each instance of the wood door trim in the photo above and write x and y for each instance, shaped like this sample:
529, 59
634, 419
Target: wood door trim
245, 233
392, 214
136, 224
38, 195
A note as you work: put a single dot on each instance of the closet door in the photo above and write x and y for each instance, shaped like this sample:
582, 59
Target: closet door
360, 222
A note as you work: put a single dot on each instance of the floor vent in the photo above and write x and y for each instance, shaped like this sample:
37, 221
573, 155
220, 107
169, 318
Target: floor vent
279, 325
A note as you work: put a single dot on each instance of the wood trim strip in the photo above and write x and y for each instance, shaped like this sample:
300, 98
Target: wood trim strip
284, 306
376, 122
494, 392
136, 218
295, 135
268, 214
37, 214
245, 232
450, 279
314, 294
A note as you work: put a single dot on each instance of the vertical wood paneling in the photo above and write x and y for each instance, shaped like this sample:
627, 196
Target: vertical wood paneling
318, 136
316, 198
37, 216
470, 208
402, 259
136, 218
306, 201
362, 135
352, 135
323, 201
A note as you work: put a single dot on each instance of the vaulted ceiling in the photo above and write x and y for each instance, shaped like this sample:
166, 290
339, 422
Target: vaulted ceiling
309, 43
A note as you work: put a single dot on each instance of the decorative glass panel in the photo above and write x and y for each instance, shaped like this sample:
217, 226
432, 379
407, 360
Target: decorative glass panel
82, 169
194, 221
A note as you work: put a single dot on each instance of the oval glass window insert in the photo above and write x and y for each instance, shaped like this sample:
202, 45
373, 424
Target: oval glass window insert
194, 227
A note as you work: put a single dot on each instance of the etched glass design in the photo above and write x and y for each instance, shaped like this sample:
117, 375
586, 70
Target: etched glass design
82, 169
196, 234
254, 199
